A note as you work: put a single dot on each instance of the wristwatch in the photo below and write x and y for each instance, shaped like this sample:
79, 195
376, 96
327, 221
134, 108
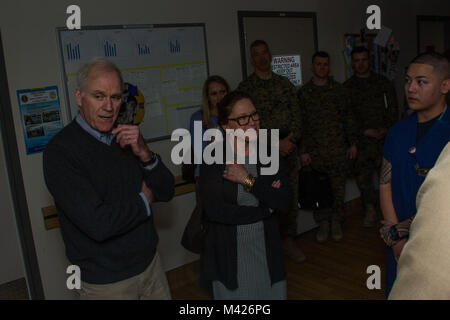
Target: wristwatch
395, 235
151, 161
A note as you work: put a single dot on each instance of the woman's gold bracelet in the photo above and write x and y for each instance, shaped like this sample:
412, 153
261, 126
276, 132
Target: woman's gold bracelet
249, 182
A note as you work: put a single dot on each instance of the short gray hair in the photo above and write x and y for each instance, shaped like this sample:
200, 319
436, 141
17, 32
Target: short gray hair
101, 64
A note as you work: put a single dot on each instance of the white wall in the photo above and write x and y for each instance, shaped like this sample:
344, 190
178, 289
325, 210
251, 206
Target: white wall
29, 39
11, 266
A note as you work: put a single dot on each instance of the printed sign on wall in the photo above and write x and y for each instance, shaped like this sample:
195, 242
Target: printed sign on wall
41, 116
289, 67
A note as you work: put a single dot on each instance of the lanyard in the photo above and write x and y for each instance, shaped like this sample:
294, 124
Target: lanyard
443, 113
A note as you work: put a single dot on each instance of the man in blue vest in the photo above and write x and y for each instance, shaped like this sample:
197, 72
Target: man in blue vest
411, 148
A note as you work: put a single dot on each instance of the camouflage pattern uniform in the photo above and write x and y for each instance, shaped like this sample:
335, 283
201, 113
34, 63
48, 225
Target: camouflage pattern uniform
276, 102
374, 104
328, 131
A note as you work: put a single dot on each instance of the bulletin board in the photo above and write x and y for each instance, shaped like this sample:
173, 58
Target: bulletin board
352, 40
167, 63
384, 58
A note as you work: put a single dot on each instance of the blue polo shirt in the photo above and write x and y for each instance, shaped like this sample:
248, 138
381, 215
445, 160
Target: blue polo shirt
405, 155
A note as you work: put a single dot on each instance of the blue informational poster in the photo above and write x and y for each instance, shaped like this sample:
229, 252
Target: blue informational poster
40, 111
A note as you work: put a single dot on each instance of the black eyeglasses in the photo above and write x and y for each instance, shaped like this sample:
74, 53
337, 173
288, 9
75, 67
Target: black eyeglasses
244, 120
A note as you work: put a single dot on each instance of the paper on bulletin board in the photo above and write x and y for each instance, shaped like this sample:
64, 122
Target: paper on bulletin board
383, 36
288, 66
40, 112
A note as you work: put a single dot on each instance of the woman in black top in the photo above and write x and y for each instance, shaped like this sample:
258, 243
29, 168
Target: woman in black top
242, 255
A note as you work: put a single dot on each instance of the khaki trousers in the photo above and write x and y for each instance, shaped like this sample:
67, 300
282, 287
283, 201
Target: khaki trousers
149, 285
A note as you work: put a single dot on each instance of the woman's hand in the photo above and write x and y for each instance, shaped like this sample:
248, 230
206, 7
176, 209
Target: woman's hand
235, 173
276, 184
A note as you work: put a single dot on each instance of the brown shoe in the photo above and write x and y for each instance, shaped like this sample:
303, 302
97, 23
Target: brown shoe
371, 217
292, 251
324, 230
336, 231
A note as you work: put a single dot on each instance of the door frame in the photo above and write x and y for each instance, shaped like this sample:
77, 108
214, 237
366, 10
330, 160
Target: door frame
12, 159
422, 18
269, 14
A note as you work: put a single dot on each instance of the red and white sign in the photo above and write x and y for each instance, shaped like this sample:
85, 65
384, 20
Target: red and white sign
289, 67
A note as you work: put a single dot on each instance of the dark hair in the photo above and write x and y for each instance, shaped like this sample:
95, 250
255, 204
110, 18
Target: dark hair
360, 49
438, 61
258, 43
321, 54
225, 106
205, 100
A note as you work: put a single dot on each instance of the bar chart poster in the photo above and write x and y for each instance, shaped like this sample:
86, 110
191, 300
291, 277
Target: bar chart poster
168, 64
73, 53
110, 49
174, 46
144, 49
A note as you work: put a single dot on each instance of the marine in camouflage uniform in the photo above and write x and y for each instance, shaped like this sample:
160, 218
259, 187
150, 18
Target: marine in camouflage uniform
276, 101
328, 132
277, 105
374, 103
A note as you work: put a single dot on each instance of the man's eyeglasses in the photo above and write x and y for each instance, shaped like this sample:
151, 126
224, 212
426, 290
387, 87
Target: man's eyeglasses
244, 120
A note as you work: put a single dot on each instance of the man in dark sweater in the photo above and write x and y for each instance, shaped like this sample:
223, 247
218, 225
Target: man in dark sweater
103, 179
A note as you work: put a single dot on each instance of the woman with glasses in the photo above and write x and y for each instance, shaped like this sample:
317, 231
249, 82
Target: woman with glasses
242, 256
